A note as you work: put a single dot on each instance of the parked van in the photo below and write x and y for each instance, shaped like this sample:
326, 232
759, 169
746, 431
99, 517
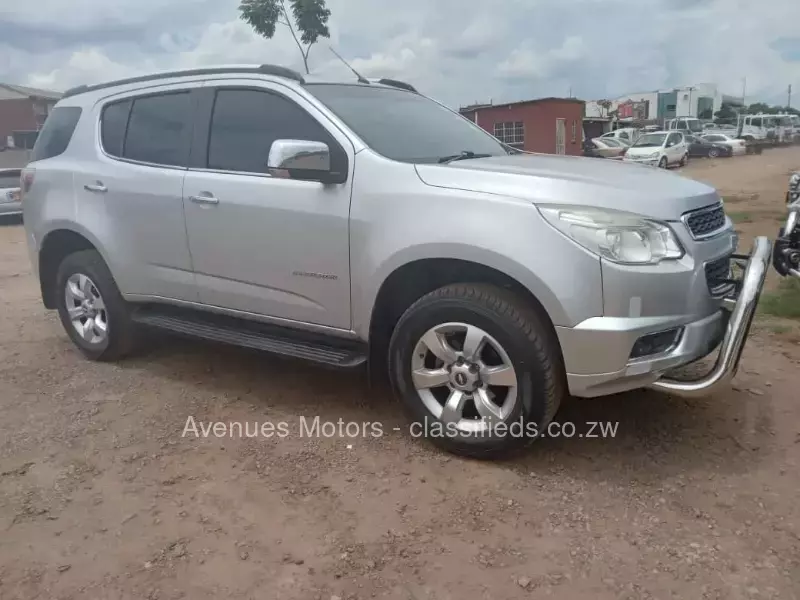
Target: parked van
627, 134
685, 124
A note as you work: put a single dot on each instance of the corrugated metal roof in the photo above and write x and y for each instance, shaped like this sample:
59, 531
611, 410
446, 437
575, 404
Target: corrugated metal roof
31, 92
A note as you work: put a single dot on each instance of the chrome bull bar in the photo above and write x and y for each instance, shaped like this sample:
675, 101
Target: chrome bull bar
742, 309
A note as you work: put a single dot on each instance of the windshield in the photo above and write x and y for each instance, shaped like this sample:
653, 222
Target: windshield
650, 140
404, 126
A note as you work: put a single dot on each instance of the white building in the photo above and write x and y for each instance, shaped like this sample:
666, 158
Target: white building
700, 100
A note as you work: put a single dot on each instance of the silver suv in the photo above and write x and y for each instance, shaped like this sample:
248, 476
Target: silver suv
361, 223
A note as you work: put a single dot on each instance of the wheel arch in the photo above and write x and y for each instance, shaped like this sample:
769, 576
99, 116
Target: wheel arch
409, 281
58, 243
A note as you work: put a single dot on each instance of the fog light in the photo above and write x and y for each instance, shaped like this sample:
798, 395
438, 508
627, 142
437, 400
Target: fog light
656, 343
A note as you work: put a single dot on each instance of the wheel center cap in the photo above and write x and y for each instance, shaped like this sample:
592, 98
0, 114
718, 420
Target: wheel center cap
463, 379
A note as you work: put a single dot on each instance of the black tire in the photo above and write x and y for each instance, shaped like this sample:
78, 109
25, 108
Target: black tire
713, 153
525, 336
663, 164
685, 160
121, 335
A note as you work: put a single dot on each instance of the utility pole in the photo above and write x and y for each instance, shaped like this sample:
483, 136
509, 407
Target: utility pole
789, 102
744, 90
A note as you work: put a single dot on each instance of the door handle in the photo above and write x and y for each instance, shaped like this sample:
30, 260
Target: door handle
204, 199
96, 187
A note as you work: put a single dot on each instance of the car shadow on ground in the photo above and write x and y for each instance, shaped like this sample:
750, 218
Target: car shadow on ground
656, 436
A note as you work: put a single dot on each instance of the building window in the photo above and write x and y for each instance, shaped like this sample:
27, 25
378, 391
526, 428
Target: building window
510, 133
574, 131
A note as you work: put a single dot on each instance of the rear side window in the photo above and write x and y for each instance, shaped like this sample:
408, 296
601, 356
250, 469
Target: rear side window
159, 130
112, 126
246, 122
57, 132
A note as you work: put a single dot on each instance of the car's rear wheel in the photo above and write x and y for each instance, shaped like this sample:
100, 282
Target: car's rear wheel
685, 160
713, 153
91, 308
663, 162
477, 369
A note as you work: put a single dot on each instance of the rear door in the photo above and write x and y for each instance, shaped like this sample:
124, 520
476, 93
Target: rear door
131, 194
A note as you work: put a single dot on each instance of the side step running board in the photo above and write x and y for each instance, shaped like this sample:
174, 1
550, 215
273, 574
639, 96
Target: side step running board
255, 335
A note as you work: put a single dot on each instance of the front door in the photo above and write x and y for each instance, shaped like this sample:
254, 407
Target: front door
676, 148
561, 136
263, 244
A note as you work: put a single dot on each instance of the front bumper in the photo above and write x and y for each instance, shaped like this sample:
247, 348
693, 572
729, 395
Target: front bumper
606, 342
643, 161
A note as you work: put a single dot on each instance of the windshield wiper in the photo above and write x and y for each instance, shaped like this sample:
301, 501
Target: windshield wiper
463, 155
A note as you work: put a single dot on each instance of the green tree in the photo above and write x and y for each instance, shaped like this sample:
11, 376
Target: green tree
310, 18
760, 108
725, 114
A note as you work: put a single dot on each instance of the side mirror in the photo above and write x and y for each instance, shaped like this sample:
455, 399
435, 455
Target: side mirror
302, 159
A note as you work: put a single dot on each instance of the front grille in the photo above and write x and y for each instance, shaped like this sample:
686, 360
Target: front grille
718, 274
706, 221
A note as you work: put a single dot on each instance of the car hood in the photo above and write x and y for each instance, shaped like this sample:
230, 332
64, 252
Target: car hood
549, 179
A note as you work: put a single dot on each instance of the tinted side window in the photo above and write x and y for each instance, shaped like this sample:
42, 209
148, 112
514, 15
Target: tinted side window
244, 124
675, 138
159, 130
57, 132
112, 126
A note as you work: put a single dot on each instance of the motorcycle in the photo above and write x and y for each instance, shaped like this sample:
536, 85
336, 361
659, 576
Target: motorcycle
786, 251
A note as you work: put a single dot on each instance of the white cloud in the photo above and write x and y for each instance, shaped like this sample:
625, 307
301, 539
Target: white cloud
459, 51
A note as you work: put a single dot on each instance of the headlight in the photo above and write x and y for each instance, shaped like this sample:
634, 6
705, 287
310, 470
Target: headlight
653, 155
620, 237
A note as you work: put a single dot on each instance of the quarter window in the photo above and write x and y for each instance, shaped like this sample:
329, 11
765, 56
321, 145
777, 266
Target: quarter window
112, 126
512, 133
158, 130
54, 137
244, 124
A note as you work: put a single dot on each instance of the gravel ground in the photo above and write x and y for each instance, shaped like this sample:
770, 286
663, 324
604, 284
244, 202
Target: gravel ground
102, 497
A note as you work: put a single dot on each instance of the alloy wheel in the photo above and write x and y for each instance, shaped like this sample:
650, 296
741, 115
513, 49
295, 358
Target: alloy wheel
464, 377
86, 309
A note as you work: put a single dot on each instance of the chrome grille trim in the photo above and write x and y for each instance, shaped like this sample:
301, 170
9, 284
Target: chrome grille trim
705, 222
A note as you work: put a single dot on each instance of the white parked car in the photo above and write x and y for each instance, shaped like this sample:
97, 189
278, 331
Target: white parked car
661, 148
627, 135
737, 146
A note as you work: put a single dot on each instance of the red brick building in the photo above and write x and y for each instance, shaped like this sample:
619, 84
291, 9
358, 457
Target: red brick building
22, 113
547, 125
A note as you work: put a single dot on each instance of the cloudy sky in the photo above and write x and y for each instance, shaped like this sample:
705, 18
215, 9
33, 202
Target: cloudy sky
458, 51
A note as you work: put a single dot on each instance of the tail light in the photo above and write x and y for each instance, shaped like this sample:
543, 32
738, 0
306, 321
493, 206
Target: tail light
25, 181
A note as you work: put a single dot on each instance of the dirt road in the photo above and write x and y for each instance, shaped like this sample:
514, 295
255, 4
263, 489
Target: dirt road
102, 497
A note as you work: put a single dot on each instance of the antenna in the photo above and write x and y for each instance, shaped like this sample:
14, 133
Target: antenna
361, 78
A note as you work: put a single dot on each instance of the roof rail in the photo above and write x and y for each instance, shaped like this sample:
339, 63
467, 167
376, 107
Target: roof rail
275, 70
398, 84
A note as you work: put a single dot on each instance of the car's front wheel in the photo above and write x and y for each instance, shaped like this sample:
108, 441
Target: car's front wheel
663, 163
713, 153
91, 308
478, 370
